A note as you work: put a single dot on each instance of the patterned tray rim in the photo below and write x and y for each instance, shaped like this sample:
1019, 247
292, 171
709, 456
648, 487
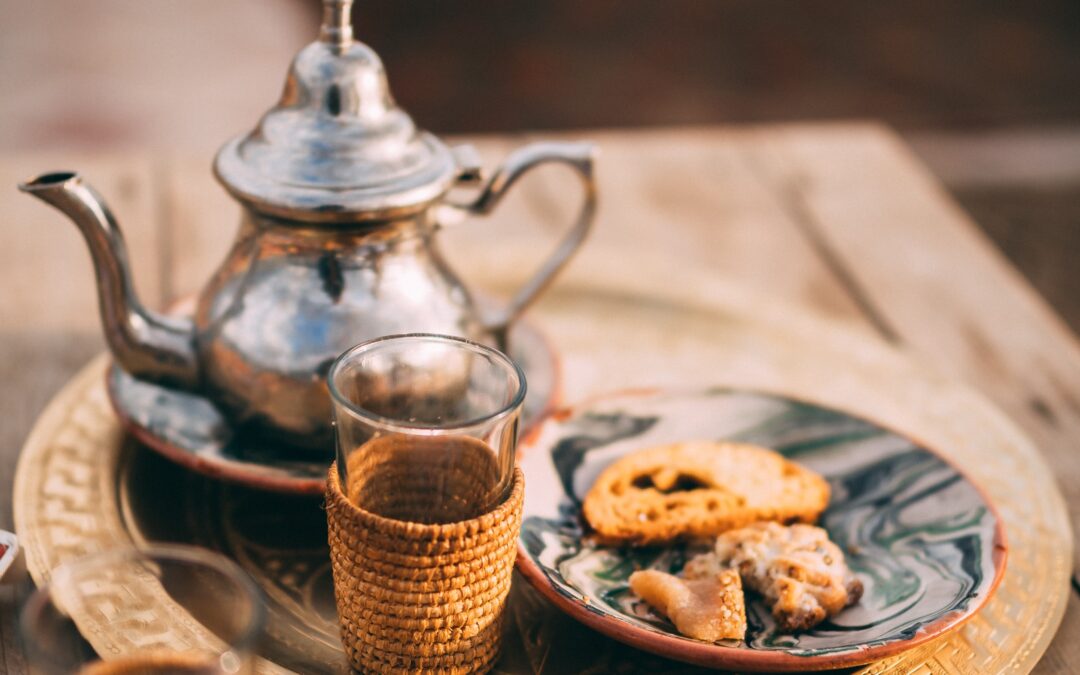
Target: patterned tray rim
713, 298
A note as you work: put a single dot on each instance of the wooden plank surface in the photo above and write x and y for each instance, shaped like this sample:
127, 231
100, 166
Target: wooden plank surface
839, 219
934, 284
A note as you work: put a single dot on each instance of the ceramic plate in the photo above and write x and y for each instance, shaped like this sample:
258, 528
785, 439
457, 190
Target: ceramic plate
925, 542
191, 431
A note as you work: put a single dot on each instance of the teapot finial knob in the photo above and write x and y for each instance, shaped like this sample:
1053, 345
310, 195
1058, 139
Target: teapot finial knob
336, 148
337, 22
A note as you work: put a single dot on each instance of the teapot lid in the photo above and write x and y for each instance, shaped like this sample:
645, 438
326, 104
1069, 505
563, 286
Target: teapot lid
336, 146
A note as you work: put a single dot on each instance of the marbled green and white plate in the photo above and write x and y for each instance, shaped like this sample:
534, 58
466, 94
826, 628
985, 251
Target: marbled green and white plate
925, 542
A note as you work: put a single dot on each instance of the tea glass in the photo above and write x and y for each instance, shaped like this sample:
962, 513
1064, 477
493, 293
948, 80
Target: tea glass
424, 509
160, 609
426, 426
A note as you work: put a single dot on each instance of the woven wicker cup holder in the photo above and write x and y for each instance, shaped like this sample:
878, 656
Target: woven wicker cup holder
414, 597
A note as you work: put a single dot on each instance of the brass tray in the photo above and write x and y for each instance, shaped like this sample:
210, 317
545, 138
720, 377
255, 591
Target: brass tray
82, 486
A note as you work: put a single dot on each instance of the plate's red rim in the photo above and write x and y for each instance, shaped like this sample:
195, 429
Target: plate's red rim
718, 656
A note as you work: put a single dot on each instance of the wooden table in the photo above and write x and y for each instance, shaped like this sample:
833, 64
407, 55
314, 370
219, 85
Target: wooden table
840, 219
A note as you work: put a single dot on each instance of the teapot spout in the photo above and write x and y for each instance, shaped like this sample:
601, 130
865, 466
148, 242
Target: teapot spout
148, 345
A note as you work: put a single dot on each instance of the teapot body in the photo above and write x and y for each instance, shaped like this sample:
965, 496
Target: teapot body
295, 292
337, 246
290, 297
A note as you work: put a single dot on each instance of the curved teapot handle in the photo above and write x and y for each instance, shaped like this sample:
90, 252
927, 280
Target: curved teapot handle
578, 156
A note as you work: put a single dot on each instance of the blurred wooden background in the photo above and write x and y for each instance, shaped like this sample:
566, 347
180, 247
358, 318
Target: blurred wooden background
987, 93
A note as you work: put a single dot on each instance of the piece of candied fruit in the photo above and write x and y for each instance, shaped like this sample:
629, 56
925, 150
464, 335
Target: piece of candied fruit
707, 608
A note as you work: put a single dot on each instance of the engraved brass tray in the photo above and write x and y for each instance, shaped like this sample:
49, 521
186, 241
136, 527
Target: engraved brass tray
82, 486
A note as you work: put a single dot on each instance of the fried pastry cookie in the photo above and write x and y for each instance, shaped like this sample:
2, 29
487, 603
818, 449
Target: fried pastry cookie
699, 489
706, 608
799, 571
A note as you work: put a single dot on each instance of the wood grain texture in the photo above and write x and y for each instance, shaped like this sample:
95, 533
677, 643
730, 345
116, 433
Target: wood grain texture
838, 218
47, 277
938, 286
11, 657
684, 199
199, 221
1039, 229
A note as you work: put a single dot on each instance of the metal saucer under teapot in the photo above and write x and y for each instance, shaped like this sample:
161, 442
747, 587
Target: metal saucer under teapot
342, 198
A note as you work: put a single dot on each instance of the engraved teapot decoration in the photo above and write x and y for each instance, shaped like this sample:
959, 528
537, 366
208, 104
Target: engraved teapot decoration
342, 198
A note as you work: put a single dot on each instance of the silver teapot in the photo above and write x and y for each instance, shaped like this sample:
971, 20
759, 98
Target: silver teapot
342, 199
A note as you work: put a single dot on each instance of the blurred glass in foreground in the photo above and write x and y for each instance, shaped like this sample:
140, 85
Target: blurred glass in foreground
162, 609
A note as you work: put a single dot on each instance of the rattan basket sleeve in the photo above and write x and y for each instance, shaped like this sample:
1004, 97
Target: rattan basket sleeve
414, 597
